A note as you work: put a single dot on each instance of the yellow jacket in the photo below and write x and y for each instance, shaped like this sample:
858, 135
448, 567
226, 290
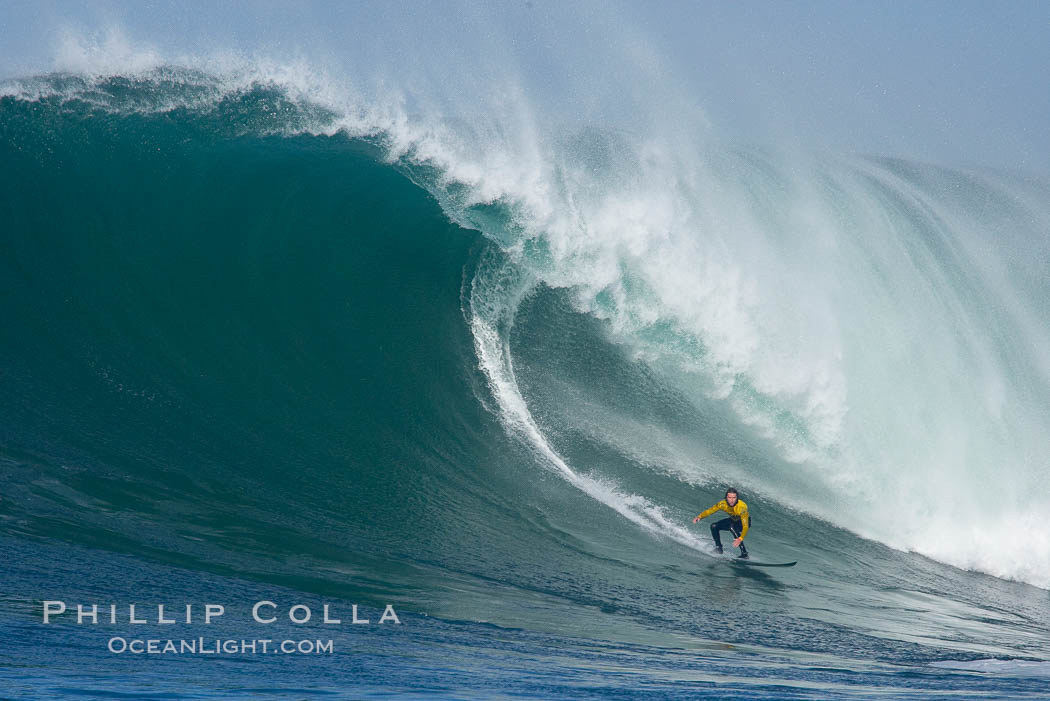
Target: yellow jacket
738, 510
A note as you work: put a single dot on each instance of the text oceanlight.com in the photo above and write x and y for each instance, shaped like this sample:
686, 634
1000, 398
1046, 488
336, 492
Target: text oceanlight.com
230, 646
262, 613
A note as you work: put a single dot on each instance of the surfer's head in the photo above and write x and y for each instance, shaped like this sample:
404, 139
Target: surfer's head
731, 496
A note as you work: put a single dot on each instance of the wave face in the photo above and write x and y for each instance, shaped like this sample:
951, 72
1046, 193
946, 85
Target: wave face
868, 328
255, 330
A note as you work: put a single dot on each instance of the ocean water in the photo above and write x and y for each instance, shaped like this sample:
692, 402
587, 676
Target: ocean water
263, 344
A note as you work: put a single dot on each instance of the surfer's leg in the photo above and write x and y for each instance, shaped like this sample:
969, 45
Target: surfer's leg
723, 525
736, 527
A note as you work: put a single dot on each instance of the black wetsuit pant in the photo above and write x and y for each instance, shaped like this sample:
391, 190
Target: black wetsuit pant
734, 526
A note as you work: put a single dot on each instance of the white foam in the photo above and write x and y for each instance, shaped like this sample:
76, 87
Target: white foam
1008, 668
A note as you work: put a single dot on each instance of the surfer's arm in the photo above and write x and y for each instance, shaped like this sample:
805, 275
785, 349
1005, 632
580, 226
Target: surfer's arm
746, 520
707, 512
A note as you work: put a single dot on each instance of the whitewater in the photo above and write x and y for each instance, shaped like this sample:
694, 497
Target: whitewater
599, 328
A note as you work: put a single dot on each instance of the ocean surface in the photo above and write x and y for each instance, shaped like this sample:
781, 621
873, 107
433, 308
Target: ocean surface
257, 344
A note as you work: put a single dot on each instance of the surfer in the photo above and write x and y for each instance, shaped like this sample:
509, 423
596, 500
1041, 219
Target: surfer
737, 523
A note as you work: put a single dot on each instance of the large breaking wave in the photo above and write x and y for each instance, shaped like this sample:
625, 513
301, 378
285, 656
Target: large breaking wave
860, 339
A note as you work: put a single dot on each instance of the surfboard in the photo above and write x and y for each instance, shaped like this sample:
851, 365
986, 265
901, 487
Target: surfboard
752, 563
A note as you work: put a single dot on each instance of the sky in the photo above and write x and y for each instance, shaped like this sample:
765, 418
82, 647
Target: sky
955, 83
